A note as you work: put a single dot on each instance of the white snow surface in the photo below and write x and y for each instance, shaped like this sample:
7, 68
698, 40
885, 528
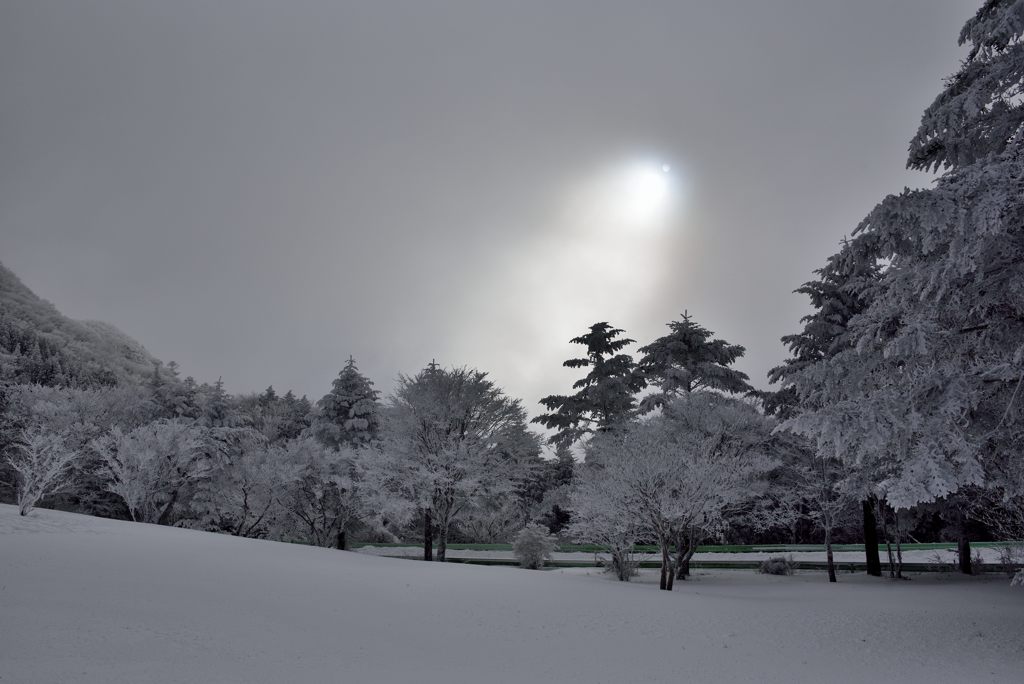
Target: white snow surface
89, 600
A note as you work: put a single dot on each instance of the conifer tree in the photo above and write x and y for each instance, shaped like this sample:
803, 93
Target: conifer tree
929, 391
350, 413
688, 359
605, 396
838, 294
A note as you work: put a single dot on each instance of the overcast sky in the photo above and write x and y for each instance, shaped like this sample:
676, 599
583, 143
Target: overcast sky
259, 189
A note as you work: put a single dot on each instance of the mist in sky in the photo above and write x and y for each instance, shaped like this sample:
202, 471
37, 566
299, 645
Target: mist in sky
259, 189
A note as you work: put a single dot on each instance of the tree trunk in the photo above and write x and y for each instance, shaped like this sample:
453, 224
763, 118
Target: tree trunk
871, 539
828, 555
442, 543
428, 536
341, 542
165, 514
667, 571
685, 551
963, 548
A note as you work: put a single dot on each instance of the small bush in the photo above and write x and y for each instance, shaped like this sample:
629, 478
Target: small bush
938, 563
977, 563
1009, 558
778, 565
533, 546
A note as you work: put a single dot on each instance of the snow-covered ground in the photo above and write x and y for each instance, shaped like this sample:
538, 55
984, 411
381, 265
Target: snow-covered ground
90, 600
945, 556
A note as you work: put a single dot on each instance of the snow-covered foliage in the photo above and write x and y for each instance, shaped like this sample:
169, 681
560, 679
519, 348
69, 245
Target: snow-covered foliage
151, 466
676, 478
42, 463
320, 489
349, 414
777, 565
455, 439
605, 396
533, 545
688, 359
924, 392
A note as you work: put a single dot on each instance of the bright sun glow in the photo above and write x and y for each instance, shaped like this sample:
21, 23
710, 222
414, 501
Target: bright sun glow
642, 194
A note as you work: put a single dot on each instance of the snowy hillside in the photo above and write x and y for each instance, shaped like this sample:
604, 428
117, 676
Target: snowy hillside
89, 600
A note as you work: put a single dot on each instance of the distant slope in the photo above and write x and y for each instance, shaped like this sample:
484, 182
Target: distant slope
90, 600
40, 344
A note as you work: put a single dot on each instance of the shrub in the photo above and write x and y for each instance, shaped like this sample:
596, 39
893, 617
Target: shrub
533, 545
1010, 557
778, 565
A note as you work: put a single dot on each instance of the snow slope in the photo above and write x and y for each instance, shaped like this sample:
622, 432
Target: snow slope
90, 600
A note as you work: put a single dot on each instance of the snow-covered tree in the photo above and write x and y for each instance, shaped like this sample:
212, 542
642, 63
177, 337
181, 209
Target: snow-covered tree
841, 291
456, 437
350, 413
682, 476
42, 463
154, 466
605, 396
688, 359
236, 495
602, 514
928, 397
321, 489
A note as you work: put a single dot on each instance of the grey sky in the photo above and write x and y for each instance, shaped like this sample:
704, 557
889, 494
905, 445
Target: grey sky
257, 190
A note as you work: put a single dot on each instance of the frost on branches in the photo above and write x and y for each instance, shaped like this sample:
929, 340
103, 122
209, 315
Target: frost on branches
926, 394
677, 478
42, 464
454, 439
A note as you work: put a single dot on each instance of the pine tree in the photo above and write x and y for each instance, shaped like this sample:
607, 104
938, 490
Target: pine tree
838, 294
604, 397
929, 392
690, 359
350, 413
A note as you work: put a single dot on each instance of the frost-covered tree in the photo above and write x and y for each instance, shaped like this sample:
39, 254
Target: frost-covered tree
42, 463
683, 475
840, 292
688, 359
321, 489
604, 398
455, 436
170, 396
153, 467
603, 514
236, 494
929, 395
350, 413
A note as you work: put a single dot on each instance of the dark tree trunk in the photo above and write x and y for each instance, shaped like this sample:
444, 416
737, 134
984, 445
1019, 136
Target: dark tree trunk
442, 544
428, 536
963, 548
667, 571
165, 515
828, 556
874, 562
684, 553
341, 542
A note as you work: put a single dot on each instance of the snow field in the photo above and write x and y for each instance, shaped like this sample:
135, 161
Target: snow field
89, 600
